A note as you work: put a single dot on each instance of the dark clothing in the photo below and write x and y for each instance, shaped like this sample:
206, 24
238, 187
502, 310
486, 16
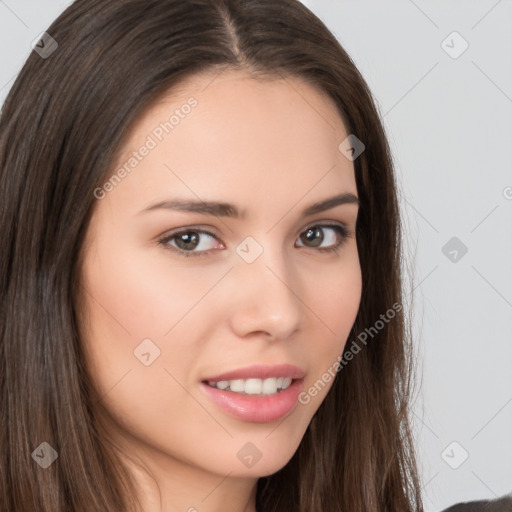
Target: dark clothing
500, 505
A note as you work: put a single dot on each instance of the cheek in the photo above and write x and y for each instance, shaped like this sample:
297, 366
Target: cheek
346, 298
138, 293
335, 300
335, 295
137, 313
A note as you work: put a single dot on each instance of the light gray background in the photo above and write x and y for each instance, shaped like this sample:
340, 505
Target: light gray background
449, 124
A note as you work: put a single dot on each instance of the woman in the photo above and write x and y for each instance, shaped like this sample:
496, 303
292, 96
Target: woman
201, 287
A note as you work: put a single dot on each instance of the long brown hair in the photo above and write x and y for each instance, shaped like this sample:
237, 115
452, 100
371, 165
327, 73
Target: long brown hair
61, 127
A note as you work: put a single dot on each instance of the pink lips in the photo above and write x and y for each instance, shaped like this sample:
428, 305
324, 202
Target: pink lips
257, 408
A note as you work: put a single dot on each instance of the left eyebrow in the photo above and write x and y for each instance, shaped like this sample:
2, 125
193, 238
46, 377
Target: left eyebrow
220, 209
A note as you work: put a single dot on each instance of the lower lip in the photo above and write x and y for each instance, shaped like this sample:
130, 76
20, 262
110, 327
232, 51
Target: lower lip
256, 408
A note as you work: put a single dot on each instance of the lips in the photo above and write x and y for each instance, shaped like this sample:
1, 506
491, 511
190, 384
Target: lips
259, 371
255, 408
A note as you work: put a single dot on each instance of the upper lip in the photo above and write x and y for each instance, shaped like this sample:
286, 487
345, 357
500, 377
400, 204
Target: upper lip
260, 371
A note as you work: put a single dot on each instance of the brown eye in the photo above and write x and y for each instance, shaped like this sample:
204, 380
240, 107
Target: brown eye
189, 242
314, 236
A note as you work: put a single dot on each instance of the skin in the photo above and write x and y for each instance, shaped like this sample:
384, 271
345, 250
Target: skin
270, 148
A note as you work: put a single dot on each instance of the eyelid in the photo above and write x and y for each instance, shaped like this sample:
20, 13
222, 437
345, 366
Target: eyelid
200, 229
325, 223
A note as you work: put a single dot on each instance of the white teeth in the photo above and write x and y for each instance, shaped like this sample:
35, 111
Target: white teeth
254, 387
236, 385
286, 382
268, 386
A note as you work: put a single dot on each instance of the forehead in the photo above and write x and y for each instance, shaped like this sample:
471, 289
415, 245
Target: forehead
230, 134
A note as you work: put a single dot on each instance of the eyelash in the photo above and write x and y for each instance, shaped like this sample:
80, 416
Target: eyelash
342, 230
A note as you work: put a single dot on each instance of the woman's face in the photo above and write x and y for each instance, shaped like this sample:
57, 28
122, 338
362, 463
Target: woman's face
254, 289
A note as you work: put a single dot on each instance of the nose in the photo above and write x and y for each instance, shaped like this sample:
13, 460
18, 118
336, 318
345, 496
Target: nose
267, 297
